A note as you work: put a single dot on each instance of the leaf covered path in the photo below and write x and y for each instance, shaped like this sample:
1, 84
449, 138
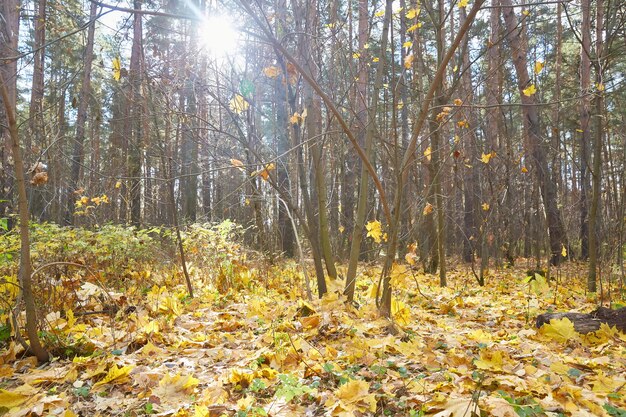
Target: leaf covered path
262, 351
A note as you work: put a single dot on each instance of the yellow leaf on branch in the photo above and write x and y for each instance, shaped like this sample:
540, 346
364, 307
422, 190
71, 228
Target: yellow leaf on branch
117, 69
413, 13
486, 157
408, 61
271, 71
530, 90
238, 104
428, 153
374, 230
414, 27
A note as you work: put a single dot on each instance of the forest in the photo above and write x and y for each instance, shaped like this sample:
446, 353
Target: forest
313, 207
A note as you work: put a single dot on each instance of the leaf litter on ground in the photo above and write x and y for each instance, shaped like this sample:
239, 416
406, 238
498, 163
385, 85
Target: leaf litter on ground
261, 350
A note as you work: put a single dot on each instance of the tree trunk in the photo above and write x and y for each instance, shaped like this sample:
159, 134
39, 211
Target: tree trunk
9, 31
437, 151
136, 145
517, 41
362, 205
35, 114
585, 126
81, 119
26, 268
596, 174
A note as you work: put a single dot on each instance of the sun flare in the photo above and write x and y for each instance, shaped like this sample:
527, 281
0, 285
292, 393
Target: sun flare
218, 36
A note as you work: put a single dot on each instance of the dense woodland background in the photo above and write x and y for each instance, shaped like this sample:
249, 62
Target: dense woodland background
489, 129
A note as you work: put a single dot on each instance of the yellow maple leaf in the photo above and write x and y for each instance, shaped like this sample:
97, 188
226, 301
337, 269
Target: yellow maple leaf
374, 231
115, 374
413, 13
563, 251
379, 13
463, 124
400, 312
485, 206
410, 258
407, 44
490, 360
463, 4
428, 208
606, 384
179, 383
238, 104
265, 172
408, 61
414, 27
237, 164
428, 153
295, 118
602, 335
117, 69
375, 59
353, 396
524, 170
486, 157
458, 102
539, 66
560, 330
456, 407
271, 71
530, 90
480, 336
10, 399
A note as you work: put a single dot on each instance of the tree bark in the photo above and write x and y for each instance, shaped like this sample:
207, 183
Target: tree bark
585, 126
517, 41
585, 323
35, 113
357, 232
9, 31
26, 268
81, 119
136, 145
596, 174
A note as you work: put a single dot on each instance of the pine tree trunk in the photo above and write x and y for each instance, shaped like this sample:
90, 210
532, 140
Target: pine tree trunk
517, 41
81, 119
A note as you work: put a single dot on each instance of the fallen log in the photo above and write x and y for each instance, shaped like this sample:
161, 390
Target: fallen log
590, 322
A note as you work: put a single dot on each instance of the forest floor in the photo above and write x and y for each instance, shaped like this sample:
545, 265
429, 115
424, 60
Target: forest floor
258, 349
